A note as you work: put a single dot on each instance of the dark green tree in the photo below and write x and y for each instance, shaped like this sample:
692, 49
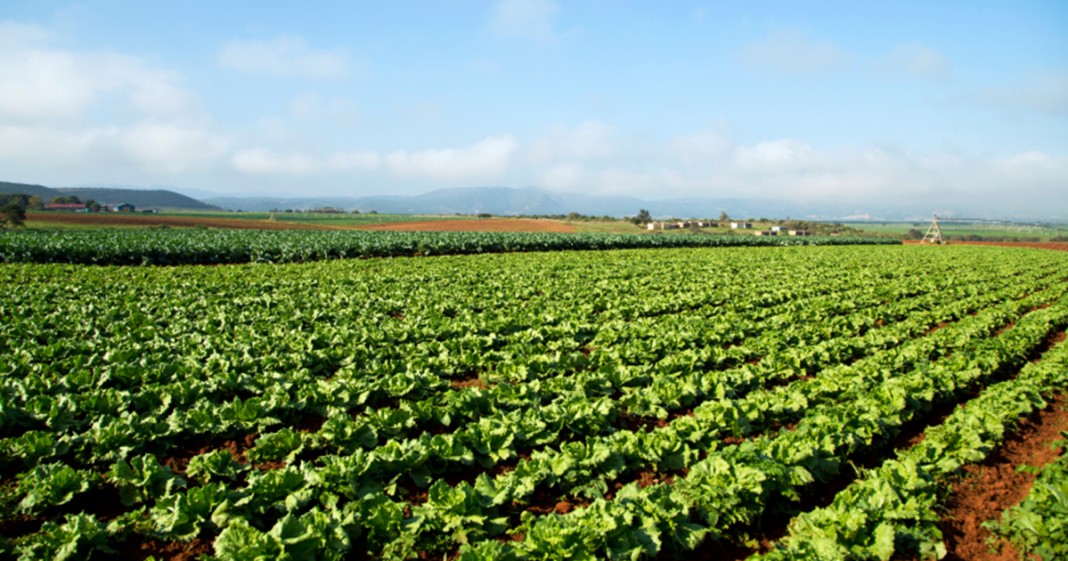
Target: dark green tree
643, 217
12, 215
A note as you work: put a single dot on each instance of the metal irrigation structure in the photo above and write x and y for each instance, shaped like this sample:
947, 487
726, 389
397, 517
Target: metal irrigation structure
934, 234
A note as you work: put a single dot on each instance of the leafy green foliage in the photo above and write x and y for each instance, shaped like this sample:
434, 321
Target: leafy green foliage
584, 405
143, 479
214, 466
178, 247
77, 538
50, 485
1039, 524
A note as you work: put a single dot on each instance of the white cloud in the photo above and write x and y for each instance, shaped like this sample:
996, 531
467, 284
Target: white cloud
589, 140
51, 144
158, 147
699, 148
39, 83
1033, 168
791, 51
364, 160
919, 61
96, 110
486, 159
259, 161
529, 19
173, 147
776, 155
564, 176
284, 56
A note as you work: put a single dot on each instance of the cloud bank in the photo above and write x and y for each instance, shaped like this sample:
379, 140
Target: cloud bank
80, 116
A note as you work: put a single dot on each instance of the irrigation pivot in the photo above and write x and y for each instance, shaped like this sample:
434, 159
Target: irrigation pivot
934, 234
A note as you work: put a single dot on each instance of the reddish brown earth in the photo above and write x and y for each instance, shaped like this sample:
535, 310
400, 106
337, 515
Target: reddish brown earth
986, 490
172, 551
479, 225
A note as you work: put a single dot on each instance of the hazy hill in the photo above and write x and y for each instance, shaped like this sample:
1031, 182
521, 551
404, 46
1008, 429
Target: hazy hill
506, 201
28, 189
140, 198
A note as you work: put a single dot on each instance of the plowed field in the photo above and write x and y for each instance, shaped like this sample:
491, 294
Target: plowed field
483, 225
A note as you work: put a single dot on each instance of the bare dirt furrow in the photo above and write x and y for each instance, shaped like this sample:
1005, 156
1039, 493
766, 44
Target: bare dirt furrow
987, 489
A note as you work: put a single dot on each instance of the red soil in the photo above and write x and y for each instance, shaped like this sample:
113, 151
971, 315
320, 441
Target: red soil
479, 225
172, 551
989, 488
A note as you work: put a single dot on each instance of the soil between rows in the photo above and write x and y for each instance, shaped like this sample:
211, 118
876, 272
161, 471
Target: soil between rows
986, 489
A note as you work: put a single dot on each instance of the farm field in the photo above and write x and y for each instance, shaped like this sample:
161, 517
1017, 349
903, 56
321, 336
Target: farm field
480, 225
974, 231
228, 220
216, 247
765, 402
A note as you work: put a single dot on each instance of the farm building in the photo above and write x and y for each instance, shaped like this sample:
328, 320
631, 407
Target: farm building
741, 225
124, 207
800, 233
664, 225
68, 207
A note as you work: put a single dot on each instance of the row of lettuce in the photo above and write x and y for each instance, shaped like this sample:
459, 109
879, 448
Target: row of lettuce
211, 246
894, 506
731, 382
1038, 525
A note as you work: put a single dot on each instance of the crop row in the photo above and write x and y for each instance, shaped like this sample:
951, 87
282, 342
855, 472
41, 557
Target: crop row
412, 407
1038, 525
207, 246
892, 509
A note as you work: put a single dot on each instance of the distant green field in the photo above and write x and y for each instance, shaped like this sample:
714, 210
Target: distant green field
951, 230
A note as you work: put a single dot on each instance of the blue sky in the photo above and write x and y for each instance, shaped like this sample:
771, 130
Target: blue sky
860, 101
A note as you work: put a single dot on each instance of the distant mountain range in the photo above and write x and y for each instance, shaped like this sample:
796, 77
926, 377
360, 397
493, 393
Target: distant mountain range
142, 199
508, 201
